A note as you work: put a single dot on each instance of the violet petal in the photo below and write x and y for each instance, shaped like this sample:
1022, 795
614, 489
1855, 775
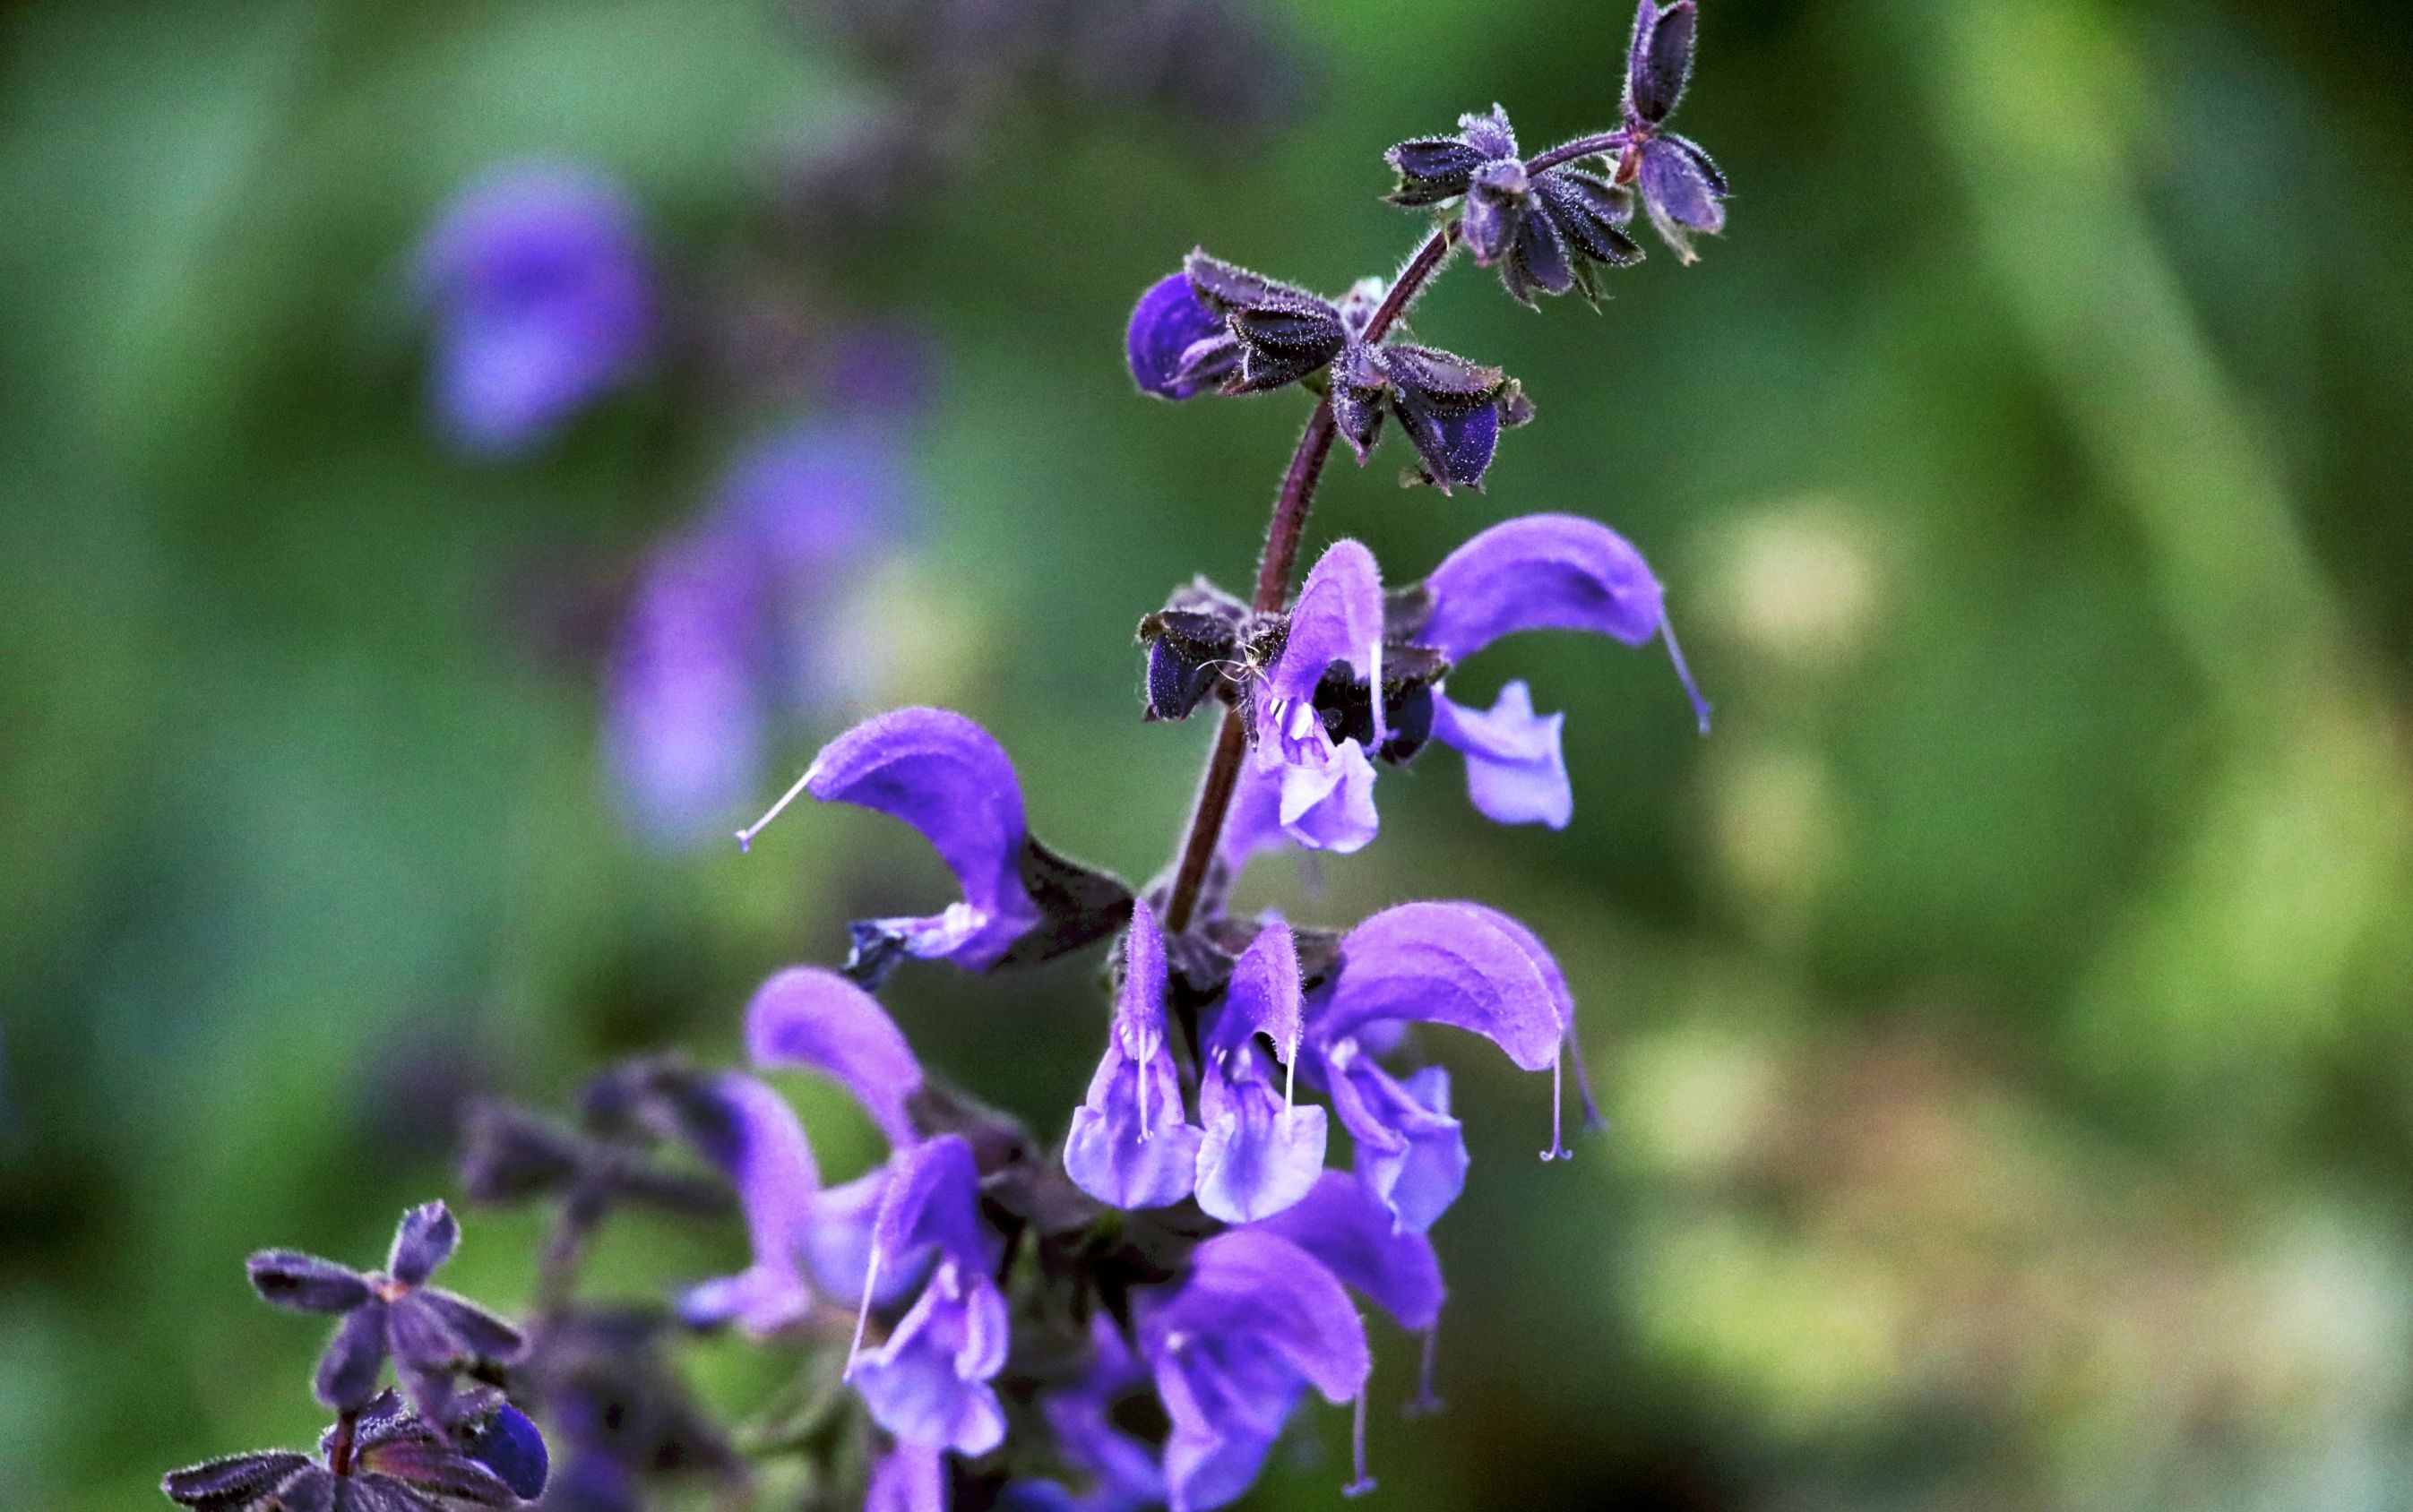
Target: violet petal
813, 1018
1515, 772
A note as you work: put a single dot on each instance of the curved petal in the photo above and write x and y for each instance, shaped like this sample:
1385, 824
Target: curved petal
932, 1199
1341, 1224
1515, 772
947, 777
1255, 1283
1455, 963
1263, 997
1326, 797
757, 1141
838, 1244
1540, 572
812, 1017
1337, 618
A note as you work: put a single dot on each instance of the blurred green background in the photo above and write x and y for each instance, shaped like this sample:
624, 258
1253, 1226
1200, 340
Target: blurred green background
2003, 1015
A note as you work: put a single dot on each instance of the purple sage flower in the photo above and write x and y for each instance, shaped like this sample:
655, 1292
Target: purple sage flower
1326, 787
1537, 572
1131, 1145
1262, 1149
536, 277
1255, 1323
930, 1381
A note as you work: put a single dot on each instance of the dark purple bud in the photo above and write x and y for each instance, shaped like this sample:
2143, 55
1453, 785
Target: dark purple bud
304, 1282
1590, 215
1495, 207
1189, 653
1455, 450
1285, 333
1659, 60
347, 1371
423, 1241
430, 1467
1169, 319
1431, 169
509, 1444
235, 1482
1537, 263
1412, 721
1361, 381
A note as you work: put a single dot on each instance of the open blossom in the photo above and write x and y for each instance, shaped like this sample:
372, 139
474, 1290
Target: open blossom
1131, 1145
1326, 787
1262, 1149
536, 278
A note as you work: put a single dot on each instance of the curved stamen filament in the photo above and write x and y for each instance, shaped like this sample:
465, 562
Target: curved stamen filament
746, 836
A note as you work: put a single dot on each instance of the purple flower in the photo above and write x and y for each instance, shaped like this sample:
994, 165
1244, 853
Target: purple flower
1537, 572
1682, 187
1453, 963
1257, 1321
948, 778
1547, 231
1176, 346
1082, 1416
1130, 1145
733, 622
910, 1478
1326, 788
1346, 1226
929, 1383
807, 1018
535, 276
752, 1134
431, 1334
1261, 1150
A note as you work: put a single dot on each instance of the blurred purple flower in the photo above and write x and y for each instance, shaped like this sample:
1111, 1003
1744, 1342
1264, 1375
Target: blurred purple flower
536, 278
733, 622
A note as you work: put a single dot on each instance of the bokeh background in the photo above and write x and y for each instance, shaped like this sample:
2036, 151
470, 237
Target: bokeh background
2003, 1015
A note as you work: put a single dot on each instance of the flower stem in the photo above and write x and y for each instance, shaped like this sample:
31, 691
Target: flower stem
339, 1446
1282, 537
1567, 152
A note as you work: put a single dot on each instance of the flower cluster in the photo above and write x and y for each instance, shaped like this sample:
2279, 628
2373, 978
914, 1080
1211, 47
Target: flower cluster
440, 1443
1132, 1314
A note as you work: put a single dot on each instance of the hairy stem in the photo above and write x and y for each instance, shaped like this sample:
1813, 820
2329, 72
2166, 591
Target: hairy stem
1567, 152
1282, 537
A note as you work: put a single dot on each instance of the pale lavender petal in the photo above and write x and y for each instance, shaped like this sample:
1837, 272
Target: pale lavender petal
948, 778
1346, 1226
816, 1019
1227, 1401
1259, 1155
1515, 772
1455, 963
1327, 797
929, 1383
1540, 572
758, 1142
1410, 1152
911, 1477
536, 277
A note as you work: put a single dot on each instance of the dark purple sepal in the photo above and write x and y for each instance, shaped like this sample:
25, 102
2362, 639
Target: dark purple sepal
1285, 333
306, 1282
486, 1337
1659, 58
1431, 169
424, 1240
233, 1483
1169, 320
1682, 190
383, 1493
1078, 905
347, 1371
311, 1489
433, 1467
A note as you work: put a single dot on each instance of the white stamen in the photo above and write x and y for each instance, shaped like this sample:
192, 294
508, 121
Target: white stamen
1290, 1075
1557, 1149
1685, 674
746, 836
1364, 1482
863, 1315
